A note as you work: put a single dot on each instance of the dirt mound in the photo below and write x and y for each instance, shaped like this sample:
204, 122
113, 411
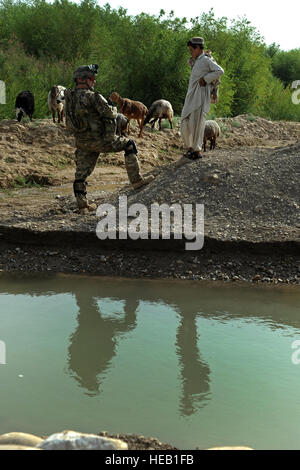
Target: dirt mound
32, 153
39, 152
247, 194
250, 130
42, 153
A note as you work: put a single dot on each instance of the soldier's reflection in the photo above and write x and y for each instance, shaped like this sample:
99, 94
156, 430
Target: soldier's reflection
194, 371
93, 344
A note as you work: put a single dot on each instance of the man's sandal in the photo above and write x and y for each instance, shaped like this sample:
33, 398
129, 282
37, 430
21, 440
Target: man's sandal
188, 154
193, 155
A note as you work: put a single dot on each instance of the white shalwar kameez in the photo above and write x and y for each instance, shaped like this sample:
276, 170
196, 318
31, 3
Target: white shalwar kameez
197, 101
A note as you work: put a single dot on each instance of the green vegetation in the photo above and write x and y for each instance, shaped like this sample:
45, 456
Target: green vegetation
24, 182
236, 124
59, 161
285, 65
250, 117
143, 57
225, 131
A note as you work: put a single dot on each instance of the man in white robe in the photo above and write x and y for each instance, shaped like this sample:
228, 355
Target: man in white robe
197, 100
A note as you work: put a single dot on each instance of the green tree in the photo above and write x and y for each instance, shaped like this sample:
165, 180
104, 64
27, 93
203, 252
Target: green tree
286, 66
142, 57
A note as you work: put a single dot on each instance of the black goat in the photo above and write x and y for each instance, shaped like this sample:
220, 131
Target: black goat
24, 105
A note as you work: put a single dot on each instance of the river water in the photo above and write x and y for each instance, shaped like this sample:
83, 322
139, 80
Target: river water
193, 364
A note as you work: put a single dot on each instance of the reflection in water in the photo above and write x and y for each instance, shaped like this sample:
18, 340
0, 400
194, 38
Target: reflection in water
93, 344
194, 371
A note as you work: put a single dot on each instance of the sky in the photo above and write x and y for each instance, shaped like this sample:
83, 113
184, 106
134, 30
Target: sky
276, 22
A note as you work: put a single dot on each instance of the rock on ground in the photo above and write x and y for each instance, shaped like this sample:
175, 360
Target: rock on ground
71, 440
16, 447
20, 439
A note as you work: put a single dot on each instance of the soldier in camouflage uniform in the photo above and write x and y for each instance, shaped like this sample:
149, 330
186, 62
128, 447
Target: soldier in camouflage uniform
93, 123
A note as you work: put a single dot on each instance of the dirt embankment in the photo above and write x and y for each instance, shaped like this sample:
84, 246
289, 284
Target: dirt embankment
43, 153
248, 185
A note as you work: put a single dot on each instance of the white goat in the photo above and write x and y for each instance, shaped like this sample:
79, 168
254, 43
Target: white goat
56, 98
211, 132
160, 109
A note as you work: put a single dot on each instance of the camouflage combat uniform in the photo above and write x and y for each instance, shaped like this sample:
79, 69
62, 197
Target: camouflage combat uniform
93, 123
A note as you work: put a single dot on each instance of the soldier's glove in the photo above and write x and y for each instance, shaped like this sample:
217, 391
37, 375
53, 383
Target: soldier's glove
130, 147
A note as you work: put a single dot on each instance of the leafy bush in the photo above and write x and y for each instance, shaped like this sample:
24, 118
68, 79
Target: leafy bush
142, 57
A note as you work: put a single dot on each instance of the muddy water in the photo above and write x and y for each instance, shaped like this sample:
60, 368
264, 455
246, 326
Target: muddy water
192, 364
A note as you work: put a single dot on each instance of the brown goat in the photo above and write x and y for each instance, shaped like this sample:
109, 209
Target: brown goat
131, 109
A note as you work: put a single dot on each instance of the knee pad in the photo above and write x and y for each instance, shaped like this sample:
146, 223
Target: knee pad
79, 187
130, 147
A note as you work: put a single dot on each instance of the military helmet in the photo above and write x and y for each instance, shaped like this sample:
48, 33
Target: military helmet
86, 71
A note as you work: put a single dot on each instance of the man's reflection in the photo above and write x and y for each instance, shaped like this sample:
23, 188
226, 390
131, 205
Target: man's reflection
194, 371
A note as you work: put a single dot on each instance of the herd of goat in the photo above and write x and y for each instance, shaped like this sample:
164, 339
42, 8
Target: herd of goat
128, 110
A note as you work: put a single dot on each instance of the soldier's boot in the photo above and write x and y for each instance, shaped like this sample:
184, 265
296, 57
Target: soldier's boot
133, 167
84, 206
143, 182
80, 195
